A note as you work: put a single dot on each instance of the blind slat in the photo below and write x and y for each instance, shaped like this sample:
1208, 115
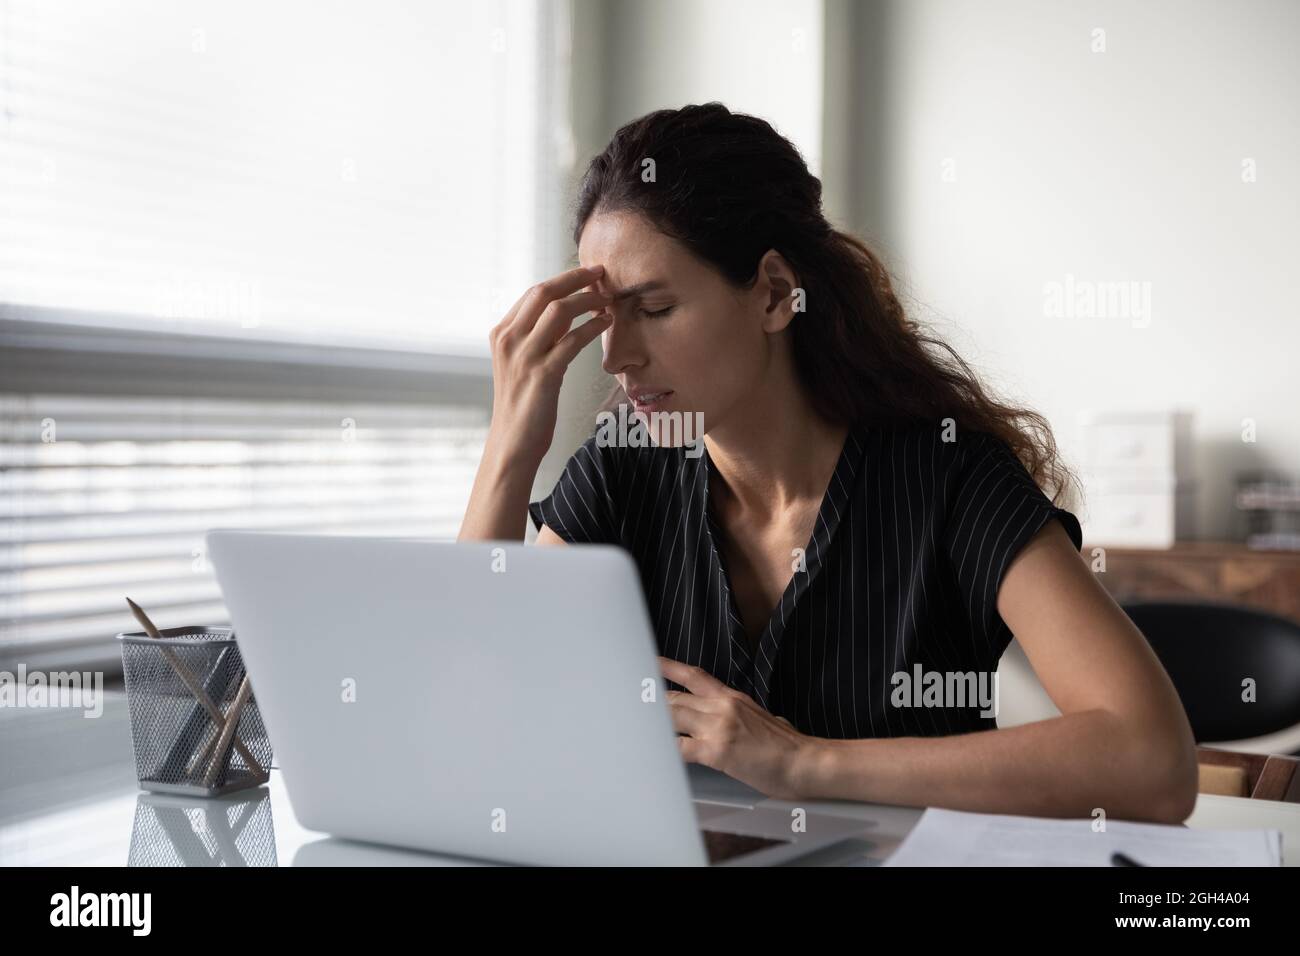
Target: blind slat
75, 539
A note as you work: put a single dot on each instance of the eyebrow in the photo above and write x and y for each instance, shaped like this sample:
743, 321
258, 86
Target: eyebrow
635, 290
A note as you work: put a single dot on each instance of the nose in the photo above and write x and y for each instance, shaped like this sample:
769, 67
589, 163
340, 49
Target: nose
621, 345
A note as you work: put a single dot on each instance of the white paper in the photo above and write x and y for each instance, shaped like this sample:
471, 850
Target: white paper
954, 838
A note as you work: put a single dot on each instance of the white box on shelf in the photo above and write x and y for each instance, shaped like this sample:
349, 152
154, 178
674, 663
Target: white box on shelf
1136, 470
1130, 512
1139, 444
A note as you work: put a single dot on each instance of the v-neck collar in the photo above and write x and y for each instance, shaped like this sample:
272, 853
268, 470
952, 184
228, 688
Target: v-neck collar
759, 664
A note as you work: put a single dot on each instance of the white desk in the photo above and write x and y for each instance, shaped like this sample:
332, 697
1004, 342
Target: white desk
68, 797
122, 825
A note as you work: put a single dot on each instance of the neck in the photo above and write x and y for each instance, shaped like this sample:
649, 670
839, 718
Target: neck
774, 451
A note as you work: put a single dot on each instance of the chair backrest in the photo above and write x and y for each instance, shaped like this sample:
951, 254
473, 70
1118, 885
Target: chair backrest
1236, 669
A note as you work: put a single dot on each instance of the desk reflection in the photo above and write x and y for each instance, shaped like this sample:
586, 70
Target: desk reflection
232, 830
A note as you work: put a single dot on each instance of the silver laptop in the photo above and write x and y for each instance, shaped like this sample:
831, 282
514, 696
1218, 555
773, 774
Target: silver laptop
484, 700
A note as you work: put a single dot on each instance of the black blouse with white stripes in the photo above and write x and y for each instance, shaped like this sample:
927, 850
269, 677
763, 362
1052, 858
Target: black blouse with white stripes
889, 625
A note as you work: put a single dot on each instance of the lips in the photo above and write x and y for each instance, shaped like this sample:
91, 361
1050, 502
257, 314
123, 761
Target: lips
643, 397
649, 398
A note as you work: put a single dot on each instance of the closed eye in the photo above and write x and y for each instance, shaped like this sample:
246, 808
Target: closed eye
657, 314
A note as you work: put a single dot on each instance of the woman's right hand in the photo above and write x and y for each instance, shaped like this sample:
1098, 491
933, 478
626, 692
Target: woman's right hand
532, 347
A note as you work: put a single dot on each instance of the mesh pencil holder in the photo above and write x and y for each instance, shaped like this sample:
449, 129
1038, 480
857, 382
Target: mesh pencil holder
195, 726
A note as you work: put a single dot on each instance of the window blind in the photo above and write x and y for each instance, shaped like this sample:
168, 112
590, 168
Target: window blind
365, 173
103, 496
249, 257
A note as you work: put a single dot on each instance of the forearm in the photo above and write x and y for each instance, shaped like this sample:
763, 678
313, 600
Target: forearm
498, 502
1064, 767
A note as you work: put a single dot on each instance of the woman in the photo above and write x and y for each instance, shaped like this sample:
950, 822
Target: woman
833, 580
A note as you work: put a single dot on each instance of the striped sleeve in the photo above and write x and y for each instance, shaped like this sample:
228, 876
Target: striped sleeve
996, 509
580, 508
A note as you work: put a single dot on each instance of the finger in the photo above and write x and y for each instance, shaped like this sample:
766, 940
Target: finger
528, 309
695, 679
687, 720
591, 275
558, 316
678, 699
574, 341
696, 751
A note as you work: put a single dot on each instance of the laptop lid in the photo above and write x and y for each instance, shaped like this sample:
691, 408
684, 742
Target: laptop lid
508, 698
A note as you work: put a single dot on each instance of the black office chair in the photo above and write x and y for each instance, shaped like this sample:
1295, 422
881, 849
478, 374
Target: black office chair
1209, 649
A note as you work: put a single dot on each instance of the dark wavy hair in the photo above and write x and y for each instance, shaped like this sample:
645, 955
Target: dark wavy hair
729, 187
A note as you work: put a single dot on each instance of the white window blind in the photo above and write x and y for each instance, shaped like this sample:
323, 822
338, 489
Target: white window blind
249, 257
376, 173
104, 497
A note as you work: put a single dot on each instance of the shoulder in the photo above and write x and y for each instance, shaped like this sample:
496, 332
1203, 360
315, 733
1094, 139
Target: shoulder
933, 447
941, 446
990, 462
948, 448
994, 487
978, 451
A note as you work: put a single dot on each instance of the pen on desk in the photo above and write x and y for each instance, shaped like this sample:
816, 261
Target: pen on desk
1119, 859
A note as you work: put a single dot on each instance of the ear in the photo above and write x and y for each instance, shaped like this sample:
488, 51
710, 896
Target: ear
776, 285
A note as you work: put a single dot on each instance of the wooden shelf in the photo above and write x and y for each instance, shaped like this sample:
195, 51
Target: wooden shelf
1212, 570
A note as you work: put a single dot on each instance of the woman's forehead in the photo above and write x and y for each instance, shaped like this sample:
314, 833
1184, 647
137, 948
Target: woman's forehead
632, 251
620, 233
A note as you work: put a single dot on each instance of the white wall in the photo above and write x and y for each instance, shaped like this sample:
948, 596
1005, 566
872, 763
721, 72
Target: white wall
630, 57
1123, 165
756, 56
